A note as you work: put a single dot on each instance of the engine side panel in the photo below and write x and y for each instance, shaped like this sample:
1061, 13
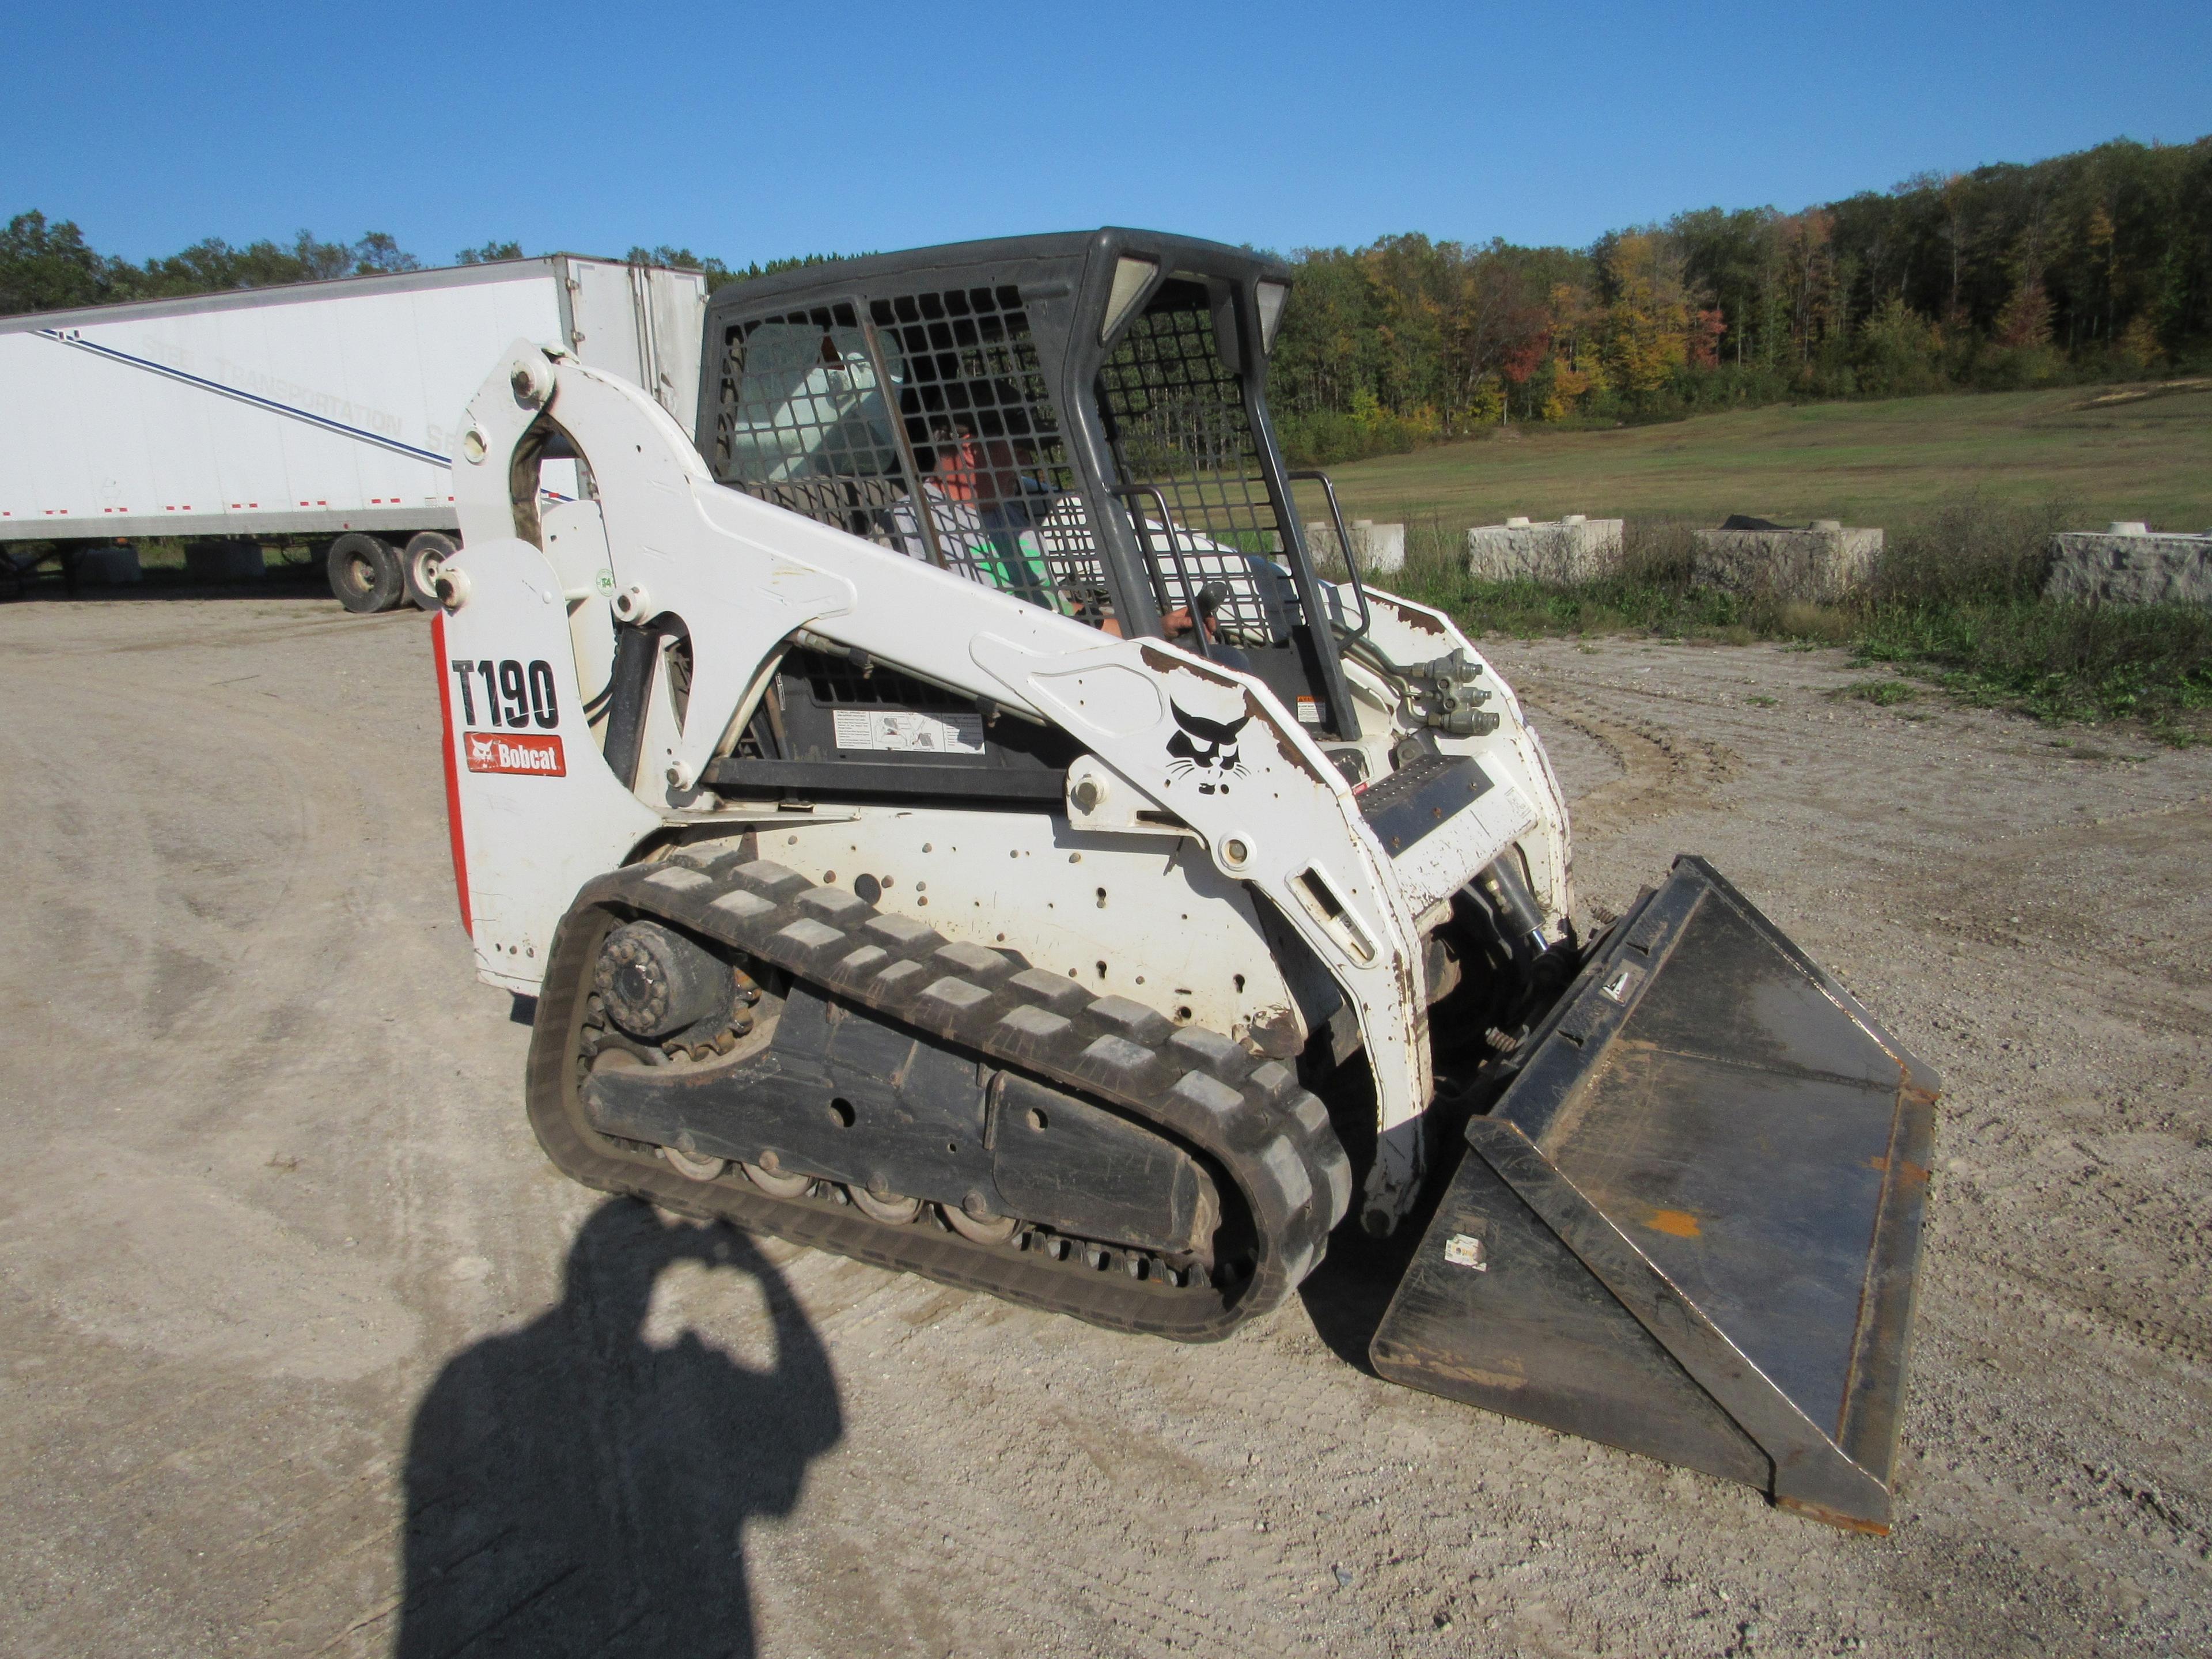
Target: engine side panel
1147, 917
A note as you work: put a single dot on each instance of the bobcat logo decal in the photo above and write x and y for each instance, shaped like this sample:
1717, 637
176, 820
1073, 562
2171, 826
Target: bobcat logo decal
1205, 749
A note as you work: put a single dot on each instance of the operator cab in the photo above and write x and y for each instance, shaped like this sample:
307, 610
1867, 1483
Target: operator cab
1077, 420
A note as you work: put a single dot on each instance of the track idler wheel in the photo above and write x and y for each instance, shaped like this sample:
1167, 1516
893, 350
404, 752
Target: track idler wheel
777, 1183
982, 1228
894, 1209
694, 1169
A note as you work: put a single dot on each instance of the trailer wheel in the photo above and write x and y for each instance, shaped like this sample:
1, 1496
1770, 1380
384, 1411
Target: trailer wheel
418, 565
365, 573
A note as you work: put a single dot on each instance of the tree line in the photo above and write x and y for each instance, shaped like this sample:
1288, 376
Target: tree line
47, 266
2089, 266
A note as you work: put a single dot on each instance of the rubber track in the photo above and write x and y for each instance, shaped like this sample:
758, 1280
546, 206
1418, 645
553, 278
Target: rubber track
1270, 1136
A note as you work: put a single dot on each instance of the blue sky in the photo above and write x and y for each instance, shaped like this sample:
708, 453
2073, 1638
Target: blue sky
752, 132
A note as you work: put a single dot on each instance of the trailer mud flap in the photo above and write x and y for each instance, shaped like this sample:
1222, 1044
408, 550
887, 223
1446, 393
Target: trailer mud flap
1691, 1227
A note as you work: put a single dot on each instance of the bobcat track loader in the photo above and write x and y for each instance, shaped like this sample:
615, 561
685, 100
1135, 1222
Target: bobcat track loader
944, 816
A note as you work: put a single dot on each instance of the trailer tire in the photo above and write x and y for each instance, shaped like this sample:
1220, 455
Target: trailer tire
365, 573
426, 551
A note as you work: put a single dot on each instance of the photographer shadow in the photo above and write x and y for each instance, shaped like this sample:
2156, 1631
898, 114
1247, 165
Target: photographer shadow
572, 1489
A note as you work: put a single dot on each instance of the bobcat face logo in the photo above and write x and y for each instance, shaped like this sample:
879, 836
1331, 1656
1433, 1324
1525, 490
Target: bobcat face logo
1207, 749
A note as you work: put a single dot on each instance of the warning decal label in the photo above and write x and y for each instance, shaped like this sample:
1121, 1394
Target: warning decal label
903, 731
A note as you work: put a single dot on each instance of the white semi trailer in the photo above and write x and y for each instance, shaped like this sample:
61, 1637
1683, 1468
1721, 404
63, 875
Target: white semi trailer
322, 410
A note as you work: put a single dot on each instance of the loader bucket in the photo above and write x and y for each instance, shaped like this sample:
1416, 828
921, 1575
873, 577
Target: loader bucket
1691, 1226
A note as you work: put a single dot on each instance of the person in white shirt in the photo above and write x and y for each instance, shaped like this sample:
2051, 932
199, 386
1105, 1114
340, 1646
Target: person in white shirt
981, 501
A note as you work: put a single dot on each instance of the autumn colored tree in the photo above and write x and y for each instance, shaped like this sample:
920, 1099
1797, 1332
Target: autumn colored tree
2026, 321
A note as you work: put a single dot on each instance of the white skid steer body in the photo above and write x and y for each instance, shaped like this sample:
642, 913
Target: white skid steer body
943, 817
1178, 847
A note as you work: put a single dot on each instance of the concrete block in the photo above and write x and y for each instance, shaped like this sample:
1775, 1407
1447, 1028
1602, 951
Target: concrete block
1818, 563
1380, 546
223, 561
1574, 548
2130, 564
108, 567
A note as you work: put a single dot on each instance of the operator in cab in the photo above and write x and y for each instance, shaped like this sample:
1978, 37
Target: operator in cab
973, 452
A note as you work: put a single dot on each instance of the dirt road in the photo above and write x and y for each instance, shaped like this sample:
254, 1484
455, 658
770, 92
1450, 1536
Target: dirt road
275, 1240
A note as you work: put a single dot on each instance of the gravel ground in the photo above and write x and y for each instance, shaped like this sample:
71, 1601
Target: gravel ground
274, 1210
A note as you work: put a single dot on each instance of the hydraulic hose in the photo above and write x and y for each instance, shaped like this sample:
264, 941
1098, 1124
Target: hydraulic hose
628, 685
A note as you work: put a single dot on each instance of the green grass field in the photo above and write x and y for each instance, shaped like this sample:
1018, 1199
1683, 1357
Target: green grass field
2098, 452
1968, 489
